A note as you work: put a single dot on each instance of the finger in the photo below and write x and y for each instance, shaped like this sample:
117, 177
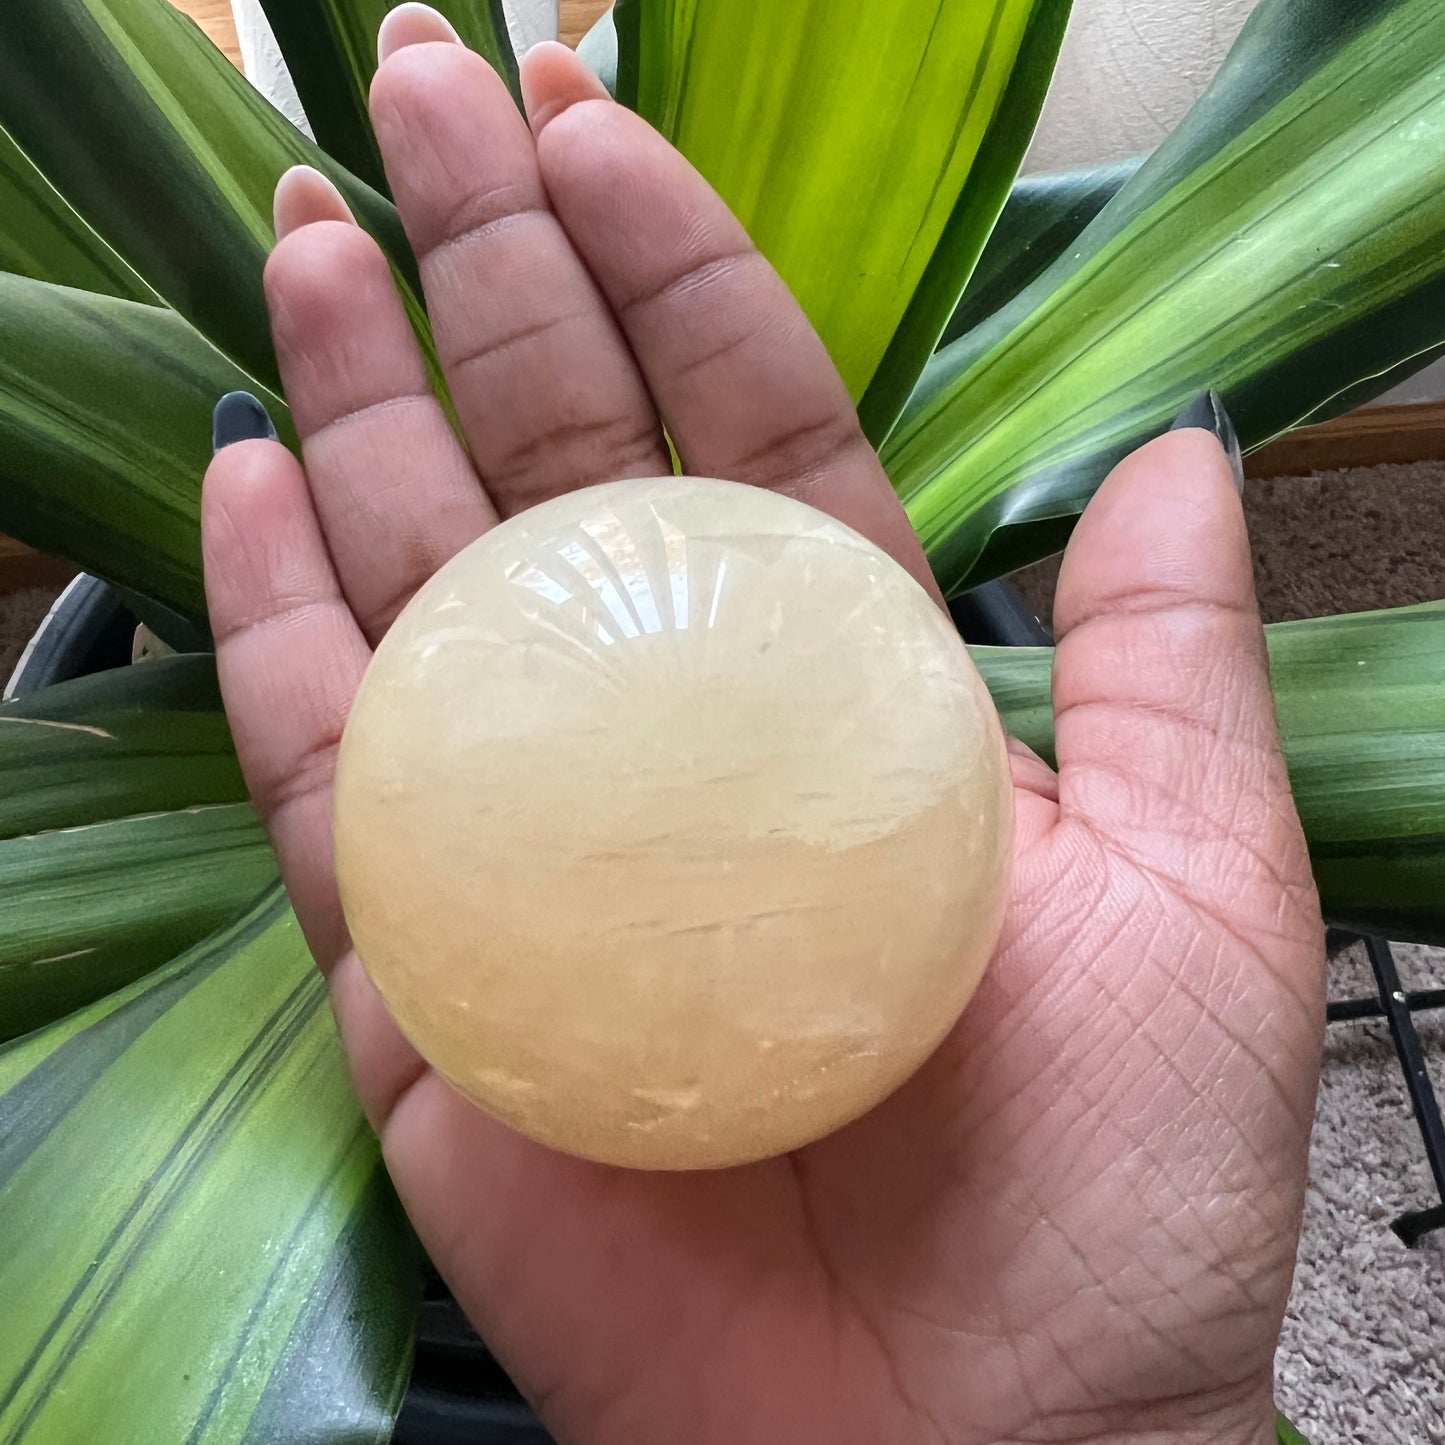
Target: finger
546, 389
303, 197
290, 658
745, 387
1036, 797
394, 491
1165, 727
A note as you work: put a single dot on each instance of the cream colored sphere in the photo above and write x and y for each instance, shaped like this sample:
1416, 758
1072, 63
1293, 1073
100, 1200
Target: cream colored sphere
673, 823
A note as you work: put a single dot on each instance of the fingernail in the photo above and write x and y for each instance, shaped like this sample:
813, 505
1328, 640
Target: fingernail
554, 79
1207, 411
412, 24
239, 417
303, 196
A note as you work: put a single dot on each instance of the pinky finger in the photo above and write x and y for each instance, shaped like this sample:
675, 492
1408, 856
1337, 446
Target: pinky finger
289, 653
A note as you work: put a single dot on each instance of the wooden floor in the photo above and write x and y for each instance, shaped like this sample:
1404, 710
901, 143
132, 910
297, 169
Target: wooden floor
579, 16
214, 17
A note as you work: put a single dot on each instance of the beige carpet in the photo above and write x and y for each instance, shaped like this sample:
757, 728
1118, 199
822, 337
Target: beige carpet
1363, 1356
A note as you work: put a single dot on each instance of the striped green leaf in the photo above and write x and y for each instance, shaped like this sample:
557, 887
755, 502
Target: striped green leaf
42, 236
200, 1241
1360, 713
105, 410
134, 740
88, 908
867, 151
161, 145
124, 834
1286, 244
1367, 759
1020, 681
1043, 217
330, 50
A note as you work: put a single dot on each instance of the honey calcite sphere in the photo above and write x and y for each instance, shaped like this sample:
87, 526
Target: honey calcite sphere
673, 823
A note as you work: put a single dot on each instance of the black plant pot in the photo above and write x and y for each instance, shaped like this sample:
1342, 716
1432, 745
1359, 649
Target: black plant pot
458, 1394
995, 615
89, 629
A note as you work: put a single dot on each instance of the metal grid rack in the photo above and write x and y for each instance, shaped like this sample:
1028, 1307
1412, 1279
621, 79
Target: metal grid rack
1398, 1006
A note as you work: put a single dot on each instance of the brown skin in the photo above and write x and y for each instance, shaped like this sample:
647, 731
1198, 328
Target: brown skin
1078, 1222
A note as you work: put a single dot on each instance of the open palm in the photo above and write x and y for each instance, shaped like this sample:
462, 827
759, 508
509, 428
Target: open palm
1078, 1221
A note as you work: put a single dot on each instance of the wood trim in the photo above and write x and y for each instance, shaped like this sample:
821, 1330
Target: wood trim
215, 18
1365, 438
578, 17
22, 567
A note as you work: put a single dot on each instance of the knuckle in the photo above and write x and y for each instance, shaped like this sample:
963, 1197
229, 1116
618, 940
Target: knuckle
693, 279
802, 452
480, 215
311, 771
573, 453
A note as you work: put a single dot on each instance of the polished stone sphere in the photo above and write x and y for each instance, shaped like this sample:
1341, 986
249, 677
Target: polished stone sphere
673, 823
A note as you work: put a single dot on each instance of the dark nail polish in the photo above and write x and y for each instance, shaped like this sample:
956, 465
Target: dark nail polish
1207, 412
239, 417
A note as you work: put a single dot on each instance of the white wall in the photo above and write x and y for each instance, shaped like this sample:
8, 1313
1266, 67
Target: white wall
1128, 71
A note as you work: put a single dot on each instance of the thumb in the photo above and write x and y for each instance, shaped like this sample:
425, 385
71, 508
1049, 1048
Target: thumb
1165, 728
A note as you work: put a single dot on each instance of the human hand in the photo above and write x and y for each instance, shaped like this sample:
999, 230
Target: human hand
1078, 1221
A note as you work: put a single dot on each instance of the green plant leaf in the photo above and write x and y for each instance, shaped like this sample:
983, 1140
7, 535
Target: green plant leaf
1020, 681
124, 834
43, 237
1367, 759
1042, 218
1285, 1433
1286, 245
88, 908
164, 148
1361, 703
105, 409
330, 49
132, 740
201, 1242
867, 153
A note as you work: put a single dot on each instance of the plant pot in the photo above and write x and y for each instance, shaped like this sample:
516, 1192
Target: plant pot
996, 615
89, 629
458, 1394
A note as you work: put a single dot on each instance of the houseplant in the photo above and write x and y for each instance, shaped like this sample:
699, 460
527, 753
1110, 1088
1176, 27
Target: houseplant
1284, 244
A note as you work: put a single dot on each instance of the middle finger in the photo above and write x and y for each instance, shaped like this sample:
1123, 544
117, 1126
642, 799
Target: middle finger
543, 381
